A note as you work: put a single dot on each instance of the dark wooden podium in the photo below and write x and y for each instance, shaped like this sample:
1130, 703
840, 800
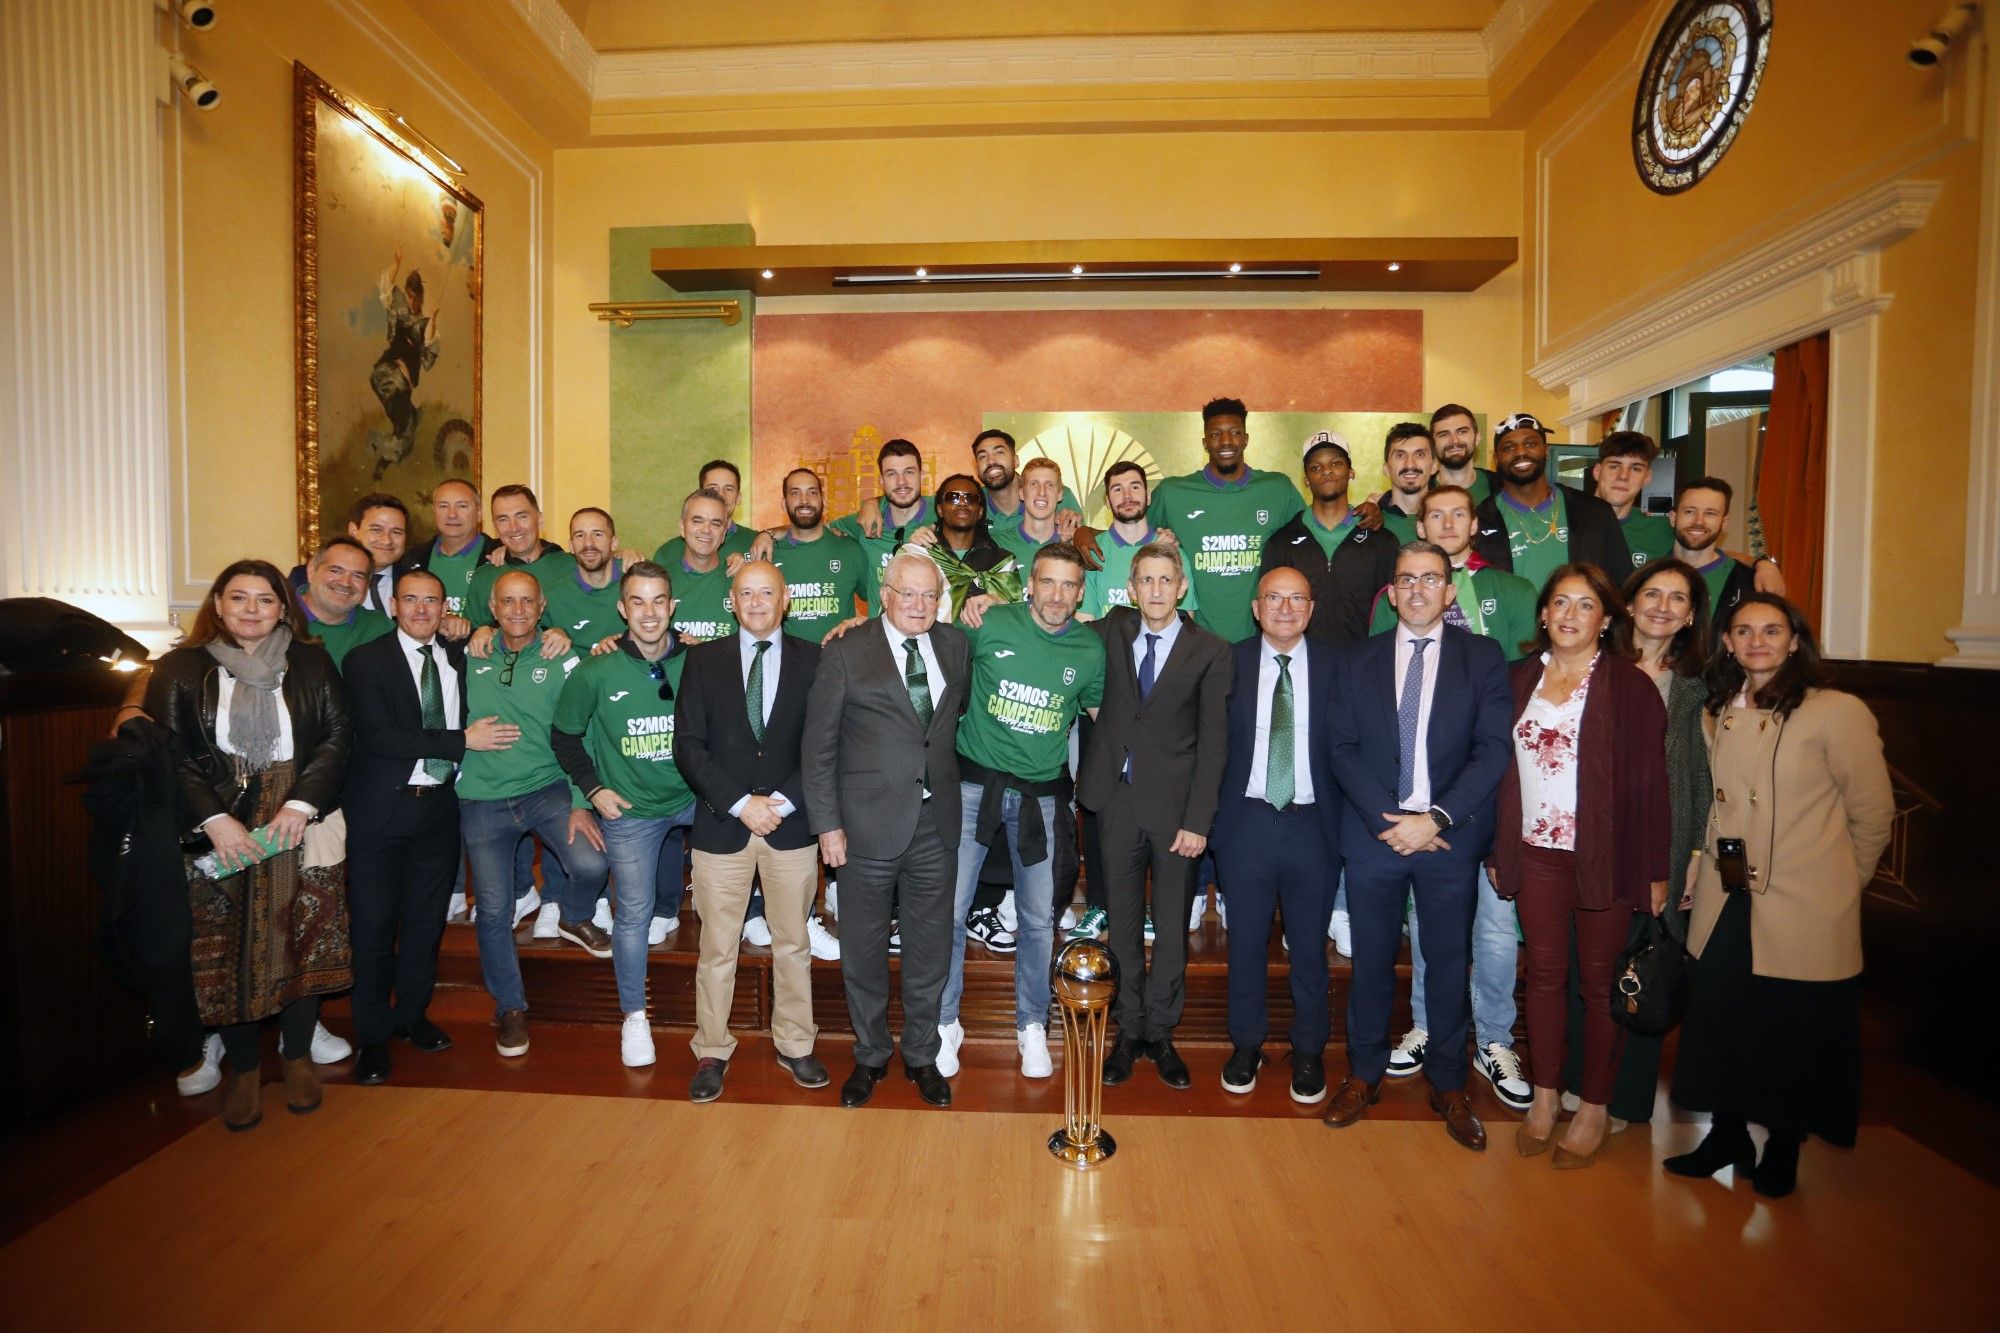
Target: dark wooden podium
68, 1030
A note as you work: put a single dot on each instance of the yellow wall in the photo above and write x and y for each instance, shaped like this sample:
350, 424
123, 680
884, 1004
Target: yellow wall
1838, 112
1008, 188
229, 205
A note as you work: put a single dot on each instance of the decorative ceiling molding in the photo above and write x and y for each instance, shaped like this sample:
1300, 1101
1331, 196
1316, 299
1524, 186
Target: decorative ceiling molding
548, 21
1039, 61
1509, 24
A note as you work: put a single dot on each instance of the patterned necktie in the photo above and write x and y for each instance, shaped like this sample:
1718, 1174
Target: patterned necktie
753, 691
1279, 778
431, 695
1406, 720
1146, 670
917, 681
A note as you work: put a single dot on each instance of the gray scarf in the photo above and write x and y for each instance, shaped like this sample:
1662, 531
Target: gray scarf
254, 702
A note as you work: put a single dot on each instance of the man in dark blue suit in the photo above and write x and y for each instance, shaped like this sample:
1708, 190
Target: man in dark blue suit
1277, 830
1419, 743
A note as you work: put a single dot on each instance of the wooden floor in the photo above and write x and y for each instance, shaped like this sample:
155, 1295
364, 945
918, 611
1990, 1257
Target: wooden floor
425, 1207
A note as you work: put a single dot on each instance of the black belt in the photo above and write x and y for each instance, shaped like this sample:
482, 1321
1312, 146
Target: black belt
431, 789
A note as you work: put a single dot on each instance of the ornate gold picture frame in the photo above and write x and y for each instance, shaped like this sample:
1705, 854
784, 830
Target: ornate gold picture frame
389, 256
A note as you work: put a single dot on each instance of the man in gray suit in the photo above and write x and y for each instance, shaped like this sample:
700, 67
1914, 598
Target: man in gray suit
1151, 772
880, 769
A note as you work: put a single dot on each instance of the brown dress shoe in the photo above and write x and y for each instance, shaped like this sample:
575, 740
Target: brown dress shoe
1456, 1108
302, 1092
243, 1101
1351, 1101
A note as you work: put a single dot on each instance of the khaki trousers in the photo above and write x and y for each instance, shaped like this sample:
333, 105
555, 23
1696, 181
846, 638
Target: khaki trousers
722, 897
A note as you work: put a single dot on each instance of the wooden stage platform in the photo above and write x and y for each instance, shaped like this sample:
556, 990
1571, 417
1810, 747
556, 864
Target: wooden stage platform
404, 1207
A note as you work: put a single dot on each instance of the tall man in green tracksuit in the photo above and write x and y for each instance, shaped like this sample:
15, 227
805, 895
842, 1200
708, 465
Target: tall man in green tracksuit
1455, 437
901, 513
826, 574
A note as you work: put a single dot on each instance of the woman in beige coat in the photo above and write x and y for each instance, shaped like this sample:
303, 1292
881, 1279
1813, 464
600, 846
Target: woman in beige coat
1774, 1013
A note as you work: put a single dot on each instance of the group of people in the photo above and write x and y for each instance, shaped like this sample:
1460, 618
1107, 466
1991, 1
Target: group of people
1485, 702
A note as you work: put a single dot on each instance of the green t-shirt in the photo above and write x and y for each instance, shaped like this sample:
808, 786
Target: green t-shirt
522, 688
1537, 538
736, 541
1223, 528
1027, 687
1715, 575
1328, 538
1649, 536
340, 638
1111, 586
1394, 520
454, 571
1481, 487
549, 569
585, 613
613, 702
1020, 545
1490, 601
878, 549
822, 578
701, 602
996, 521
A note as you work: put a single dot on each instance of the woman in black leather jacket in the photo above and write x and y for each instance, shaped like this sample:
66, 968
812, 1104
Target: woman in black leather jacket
258, 711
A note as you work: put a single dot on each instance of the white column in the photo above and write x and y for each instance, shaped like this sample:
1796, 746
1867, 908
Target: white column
84, 496
1978, 631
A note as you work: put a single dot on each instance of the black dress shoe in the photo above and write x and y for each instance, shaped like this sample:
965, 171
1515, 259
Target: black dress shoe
706, 1085
1118, 1064
1308, 1078
1240, 1074
425, 1035
930, 1084
372, 1065
860, 1085
806, 1070
1173, 1069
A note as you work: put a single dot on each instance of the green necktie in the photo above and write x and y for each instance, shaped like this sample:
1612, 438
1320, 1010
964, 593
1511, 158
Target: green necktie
918, 682
1278, 777
753, 691
431, 695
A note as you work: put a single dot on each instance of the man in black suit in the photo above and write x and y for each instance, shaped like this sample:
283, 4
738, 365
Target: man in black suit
1532, 526
1420, 741
738, 727
406, 699
881, 791
1277, 832
1150, 772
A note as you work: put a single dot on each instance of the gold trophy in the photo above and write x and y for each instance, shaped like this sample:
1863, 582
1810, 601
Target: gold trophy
1085, 976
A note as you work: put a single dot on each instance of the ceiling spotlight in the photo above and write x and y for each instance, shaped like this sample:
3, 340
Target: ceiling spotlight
1236, 268
923, 272
1076, 270
197, 14
192, 84
1395, 267
767, 273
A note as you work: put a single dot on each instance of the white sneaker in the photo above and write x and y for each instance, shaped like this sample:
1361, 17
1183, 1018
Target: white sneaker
458, 909
824, 945
950, 1037
1196, 910
208, 1075
548, 922
660, 928
757, 931
526, 905
1341, 932
601, 918
635, 1041
832, 907
1007, 917
328, 1049
1222, 910
1068, 921
1034, 1043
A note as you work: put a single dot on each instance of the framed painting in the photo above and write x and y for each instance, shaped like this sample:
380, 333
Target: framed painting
388, 272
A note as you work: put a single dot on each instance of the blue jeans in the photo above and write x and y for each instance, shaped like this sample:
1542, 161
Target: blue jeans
1034, 895
492, 830
641, 852
554, 882
1495, 956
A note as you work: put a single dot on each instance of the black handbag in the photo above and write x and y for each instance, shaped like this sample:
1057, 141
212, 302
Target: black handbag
1649, 985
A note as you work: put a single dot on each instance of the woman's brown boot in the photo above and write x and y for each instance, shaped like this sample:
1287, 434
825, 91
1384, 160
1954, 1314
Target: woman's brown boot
243, 1102
302, 1093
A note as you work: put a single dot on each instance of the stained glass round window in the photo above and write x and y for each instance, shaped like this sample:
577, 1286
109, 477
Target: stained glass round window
1698, 85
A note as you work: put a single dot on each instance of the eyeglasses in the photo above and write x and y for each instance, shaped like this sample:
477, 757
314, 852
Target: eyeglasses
1274, 600
507, 671
1431, 581
658, 671
957, 498
918, 596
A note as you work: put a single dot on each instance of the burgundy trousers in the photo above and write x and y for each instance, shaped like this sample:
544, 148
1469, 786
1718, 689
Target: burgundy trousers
1549, 911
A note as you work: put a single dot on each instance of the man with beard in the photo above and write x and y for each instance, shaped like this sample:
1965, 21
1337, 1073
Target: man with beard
825, 573
1127, 493
700, 575
1701, 516
1343, 561
721, 476
585, 604
1222, 515
1455, 436
902, 512
1623, 468
1533, 528
458, 550
336, 581
1410, 459
998, 464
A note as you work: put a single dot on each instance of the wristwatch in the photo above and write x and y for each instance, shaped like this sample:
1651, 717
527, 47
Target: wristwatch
1443, 820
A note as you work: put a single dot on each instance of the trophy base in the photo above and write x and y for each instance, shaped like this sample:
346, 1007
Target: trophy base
1082, 1156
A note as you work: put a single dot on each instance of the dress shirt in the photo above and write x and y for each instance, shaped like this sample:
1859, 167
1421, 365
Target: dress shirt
1167, 637
746, 643
1420, 777
382, 589
1260, 753
225, 689
447, 689
932, 671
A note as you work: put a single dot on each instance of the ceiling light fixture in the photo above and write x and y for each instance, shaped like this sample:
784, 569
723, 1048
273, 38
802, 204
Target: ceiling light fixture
1236, 268
1003, 276
923, 272
1395, 267
1076, 270
767, 273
